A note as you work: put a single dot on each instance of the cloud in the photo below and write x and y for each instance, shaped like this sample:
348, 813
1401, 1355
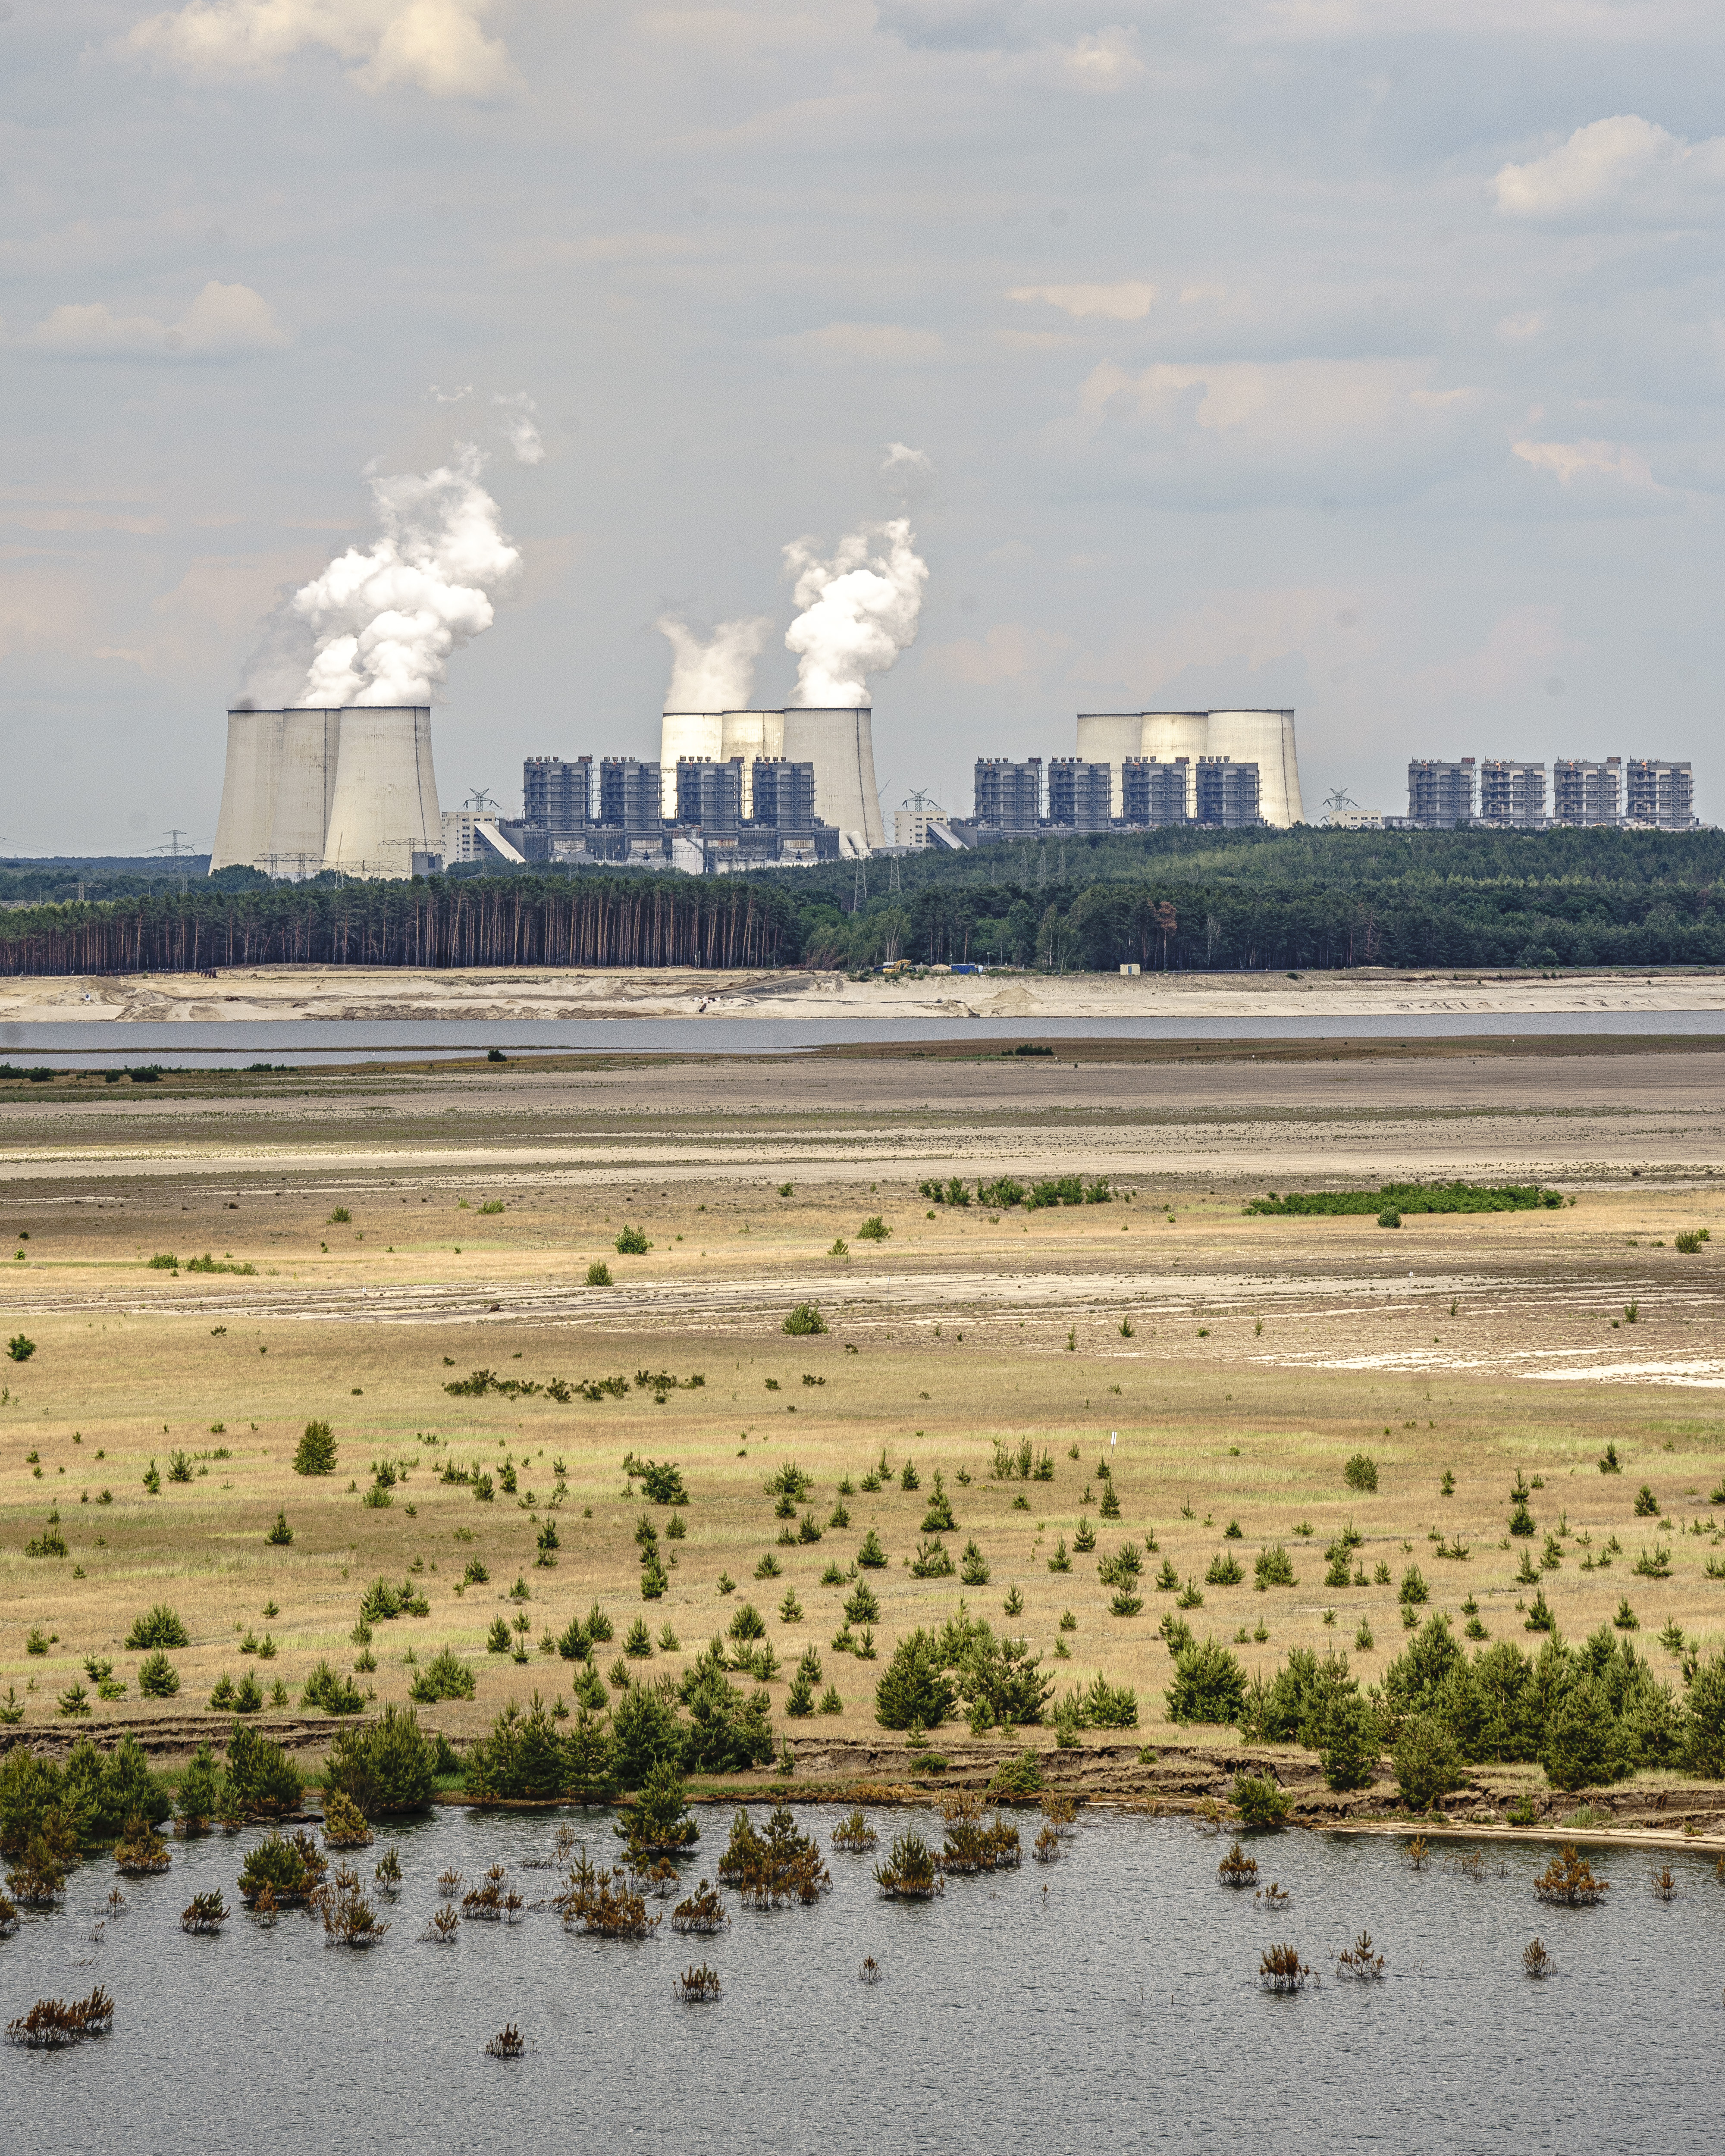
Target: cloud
1625, 165
1009, 652
518, 421
1115, 303
952, 25
1573, 461
222, 322
1225, 433
434, 45
1102, 60
884, 344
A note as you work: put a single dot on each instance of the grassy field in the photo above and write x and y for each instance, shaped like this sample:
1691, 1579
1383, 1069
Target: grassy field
1227, 1367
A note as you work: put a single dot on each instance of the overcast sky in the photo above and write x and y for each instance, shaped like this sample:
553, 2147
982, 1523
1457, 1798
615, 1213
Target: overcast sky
1362, 356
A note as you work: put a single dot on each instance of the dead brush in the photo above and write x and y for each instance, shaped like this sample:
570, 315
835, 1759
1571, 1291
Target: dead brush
972, 1847
1569, 1880
1237, 1869
1280, 1970
911, 1873
51, 2025
1275, 1896
508, 2043
445, 1924
1535, 1959
703, 1912
204, 1913
870, 1973
1062, 1813
1358, 1962
695, 1985
1664, 1884
349, 1920
779, 1867
853, 1833
604, 1904
1046, 1847
1418, 1850
483, 1904
1211, 1815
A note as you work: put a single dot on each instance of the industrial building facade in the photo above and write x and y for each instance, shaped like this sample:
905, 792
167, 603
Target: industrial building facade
1647, 793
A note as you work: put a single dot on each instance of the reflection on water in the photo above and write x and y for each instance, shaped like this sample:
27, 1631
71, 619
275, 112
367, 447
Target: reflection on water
1109, 2001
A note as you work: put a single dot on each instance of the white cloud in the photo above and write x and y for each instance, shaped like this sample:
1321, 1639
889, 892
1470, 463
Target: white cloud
434, 45
1624, 164
223, 321
518, 417
1571, 461
1103, 60
1115, 303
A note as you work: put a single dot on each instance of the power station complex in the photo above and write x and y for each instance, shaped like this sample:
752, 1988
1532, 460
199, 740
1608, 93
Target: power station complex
354, 790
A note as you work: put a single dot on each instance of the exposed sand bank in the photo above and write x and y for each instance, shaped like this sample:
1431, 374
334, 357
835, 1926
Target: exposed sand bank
319, 992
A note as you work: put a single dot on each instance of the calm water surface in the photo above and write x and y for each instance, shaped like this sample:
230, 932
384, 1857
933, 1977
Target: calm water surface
1118, 2009
82, 1044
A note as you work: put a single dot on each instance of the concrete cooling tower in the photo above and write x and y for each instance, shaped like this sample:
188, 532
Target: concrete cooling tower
838, 743
306, 789
1266, 738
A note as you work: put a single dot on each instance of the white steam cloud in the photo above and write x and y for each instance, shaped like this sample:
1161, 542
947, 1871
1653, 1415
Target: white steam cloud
378, 627
717, 672
859, 609
518, 419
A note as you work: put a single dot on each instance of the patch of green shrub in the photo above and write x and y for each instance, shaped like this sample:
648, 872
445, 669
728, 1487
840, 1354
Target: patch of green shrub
315, 1452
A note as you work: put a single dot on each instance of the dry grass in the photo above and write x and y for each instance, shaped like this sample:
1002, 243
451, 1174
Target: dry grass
960, 1325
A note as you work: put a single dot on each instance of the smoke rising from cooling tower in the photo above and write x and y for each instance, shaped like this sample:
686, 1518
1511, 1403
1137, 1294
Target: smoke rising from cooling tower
859, 610
379, 626
715, 673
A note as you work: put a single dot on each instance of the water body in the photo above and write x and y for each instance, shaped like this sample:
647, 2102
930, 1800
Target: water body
1120, 2009
108, 1043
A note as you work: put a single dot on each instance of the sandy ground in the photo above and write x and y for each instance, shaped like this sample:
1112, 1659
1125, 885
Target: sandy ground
1238, 1362
311, 992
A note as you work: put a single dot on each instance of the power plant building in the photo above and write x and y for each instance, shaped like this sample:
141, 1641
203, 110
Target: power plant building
1226, 792
1659, 793
1582, 792
1511, 793
838, 745
630, 796
710, 793
1009, 795
1080, 794
1440, 796
1153, 794
1265, 738
305, 789
556, 797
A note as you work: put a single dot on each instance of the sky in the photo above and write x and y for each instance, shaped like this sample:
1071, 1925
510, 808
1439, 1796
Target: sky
1358, 356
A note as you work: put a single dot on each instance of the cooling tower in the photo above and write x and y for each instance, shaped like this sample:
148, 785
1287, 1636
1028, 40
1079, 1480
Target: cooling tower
840, 745
689, 733
310, 743
383, 808
750, 734
1266, 738
1110, 737
248, 784
1167, 735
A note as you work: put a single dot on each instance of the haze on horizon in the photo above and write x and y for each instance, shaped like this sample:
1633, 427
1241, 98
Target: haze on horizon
1361, 358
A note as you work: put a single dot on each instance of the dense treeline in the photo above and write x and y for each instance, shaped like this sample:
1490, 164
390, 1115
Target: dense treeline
1297, 900
659, 920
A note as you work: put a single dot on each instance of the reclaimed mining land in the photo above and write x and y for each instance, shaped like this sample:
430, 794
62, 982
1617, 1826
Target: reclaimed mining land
1229, 1364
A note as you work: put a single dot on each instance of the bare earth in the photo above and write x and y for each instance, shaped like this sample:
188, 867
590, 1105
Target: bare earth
1227, 1365
312, 992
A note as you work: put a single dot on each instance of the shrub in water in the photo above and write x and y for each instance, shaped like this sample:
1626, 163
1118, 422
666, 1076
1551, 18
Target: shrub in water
291, 1867
1569, 1880
909, 1873
205, 1912
1237, 1869
344, 1823
661, 1823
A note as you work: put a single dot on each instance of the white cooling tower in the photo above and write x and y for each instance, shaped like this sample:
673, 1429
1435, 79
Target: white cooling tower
1110, 737
689, 733
383, 809
305, 789
1167, 735
839, 744
248, 784
1266, 738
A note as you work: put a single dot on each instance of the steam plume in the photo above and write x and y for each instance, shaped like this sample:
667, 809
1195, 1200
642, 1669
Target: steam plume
859, 610
715, 673
378, 627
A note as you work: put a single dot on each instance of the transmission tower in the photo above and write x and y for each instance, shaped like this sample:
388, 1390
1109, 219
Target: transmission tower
859, 896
